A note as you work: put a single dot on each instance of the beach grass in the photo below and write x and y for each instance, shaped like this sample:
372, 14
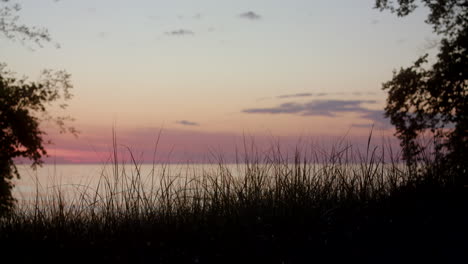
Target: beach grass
300, 206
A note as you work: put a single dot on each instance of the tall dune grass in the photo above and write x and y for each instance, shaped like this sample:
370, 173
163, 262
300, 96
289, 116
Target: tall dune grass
274, 205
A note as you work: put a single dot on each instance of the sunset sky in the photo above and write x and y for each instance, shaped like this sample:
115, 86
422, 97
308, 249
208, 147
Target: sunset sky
210, 71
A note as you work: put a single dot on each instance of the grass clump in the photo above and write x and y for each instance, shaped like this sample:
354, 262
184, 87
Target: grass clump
342, 205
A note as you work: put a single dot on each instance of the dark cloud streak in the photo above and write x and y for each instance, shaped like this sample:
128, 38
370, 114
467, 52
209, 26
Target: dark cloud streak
180, 32
250, 15
329, 108
298, 95
187, 123
316, 107
301, 95
295, 95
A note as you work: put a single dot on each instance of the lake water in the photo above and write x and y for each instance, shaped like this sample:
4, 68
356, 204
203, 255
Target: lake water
77, 182
77, 179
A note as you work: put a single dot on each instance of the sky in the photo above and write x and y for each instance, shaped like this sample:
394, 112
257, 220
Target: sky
208, 73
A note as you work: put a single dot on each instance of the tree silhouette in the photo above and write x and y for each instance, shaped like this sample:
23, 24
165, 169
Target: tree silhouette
24, 104
433, 97
12, 29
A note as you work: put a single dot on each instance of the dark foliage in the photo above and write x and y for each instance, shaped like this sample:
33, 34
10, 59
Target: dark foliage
434, 98
448, 17
12, 29
23, 105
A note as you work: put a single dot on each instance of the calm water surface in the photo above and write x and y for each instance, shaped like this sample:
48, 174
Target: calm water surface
74, 179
